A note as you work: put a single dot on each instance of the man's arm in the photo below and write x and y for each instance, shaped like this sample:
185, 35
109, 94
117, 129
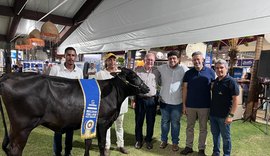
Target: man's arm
184, 96
229, 118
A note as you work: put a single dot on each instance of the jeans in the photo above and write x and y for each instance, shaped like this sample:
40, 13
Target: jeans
145, 107
57, 142
218, 127
170, 118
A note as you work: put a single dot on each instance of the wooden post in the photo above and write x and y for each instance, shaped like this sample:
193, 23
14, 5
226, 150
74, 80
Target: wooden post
253, 93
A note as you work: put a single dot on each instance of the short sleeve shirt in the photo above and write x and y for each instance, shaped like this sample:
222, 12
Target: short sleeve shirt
62, 71
222, 93
199, 87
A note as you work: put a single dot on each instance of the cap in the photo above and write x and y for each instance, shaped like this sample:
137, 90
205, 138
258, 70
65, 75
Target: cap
109, 55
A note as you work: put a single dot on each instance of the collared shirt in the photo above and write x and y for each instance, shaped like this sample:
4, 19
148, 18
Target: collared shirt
62, 71
222, 93
150, 78
171, 83
105, 74
199, 87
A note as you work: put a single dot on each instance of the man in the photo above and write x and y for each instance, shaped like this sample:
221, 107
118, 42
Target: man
171, 98
146, 103
111, 67
46, 68
197, 83
67, 70
91, 71
225, 95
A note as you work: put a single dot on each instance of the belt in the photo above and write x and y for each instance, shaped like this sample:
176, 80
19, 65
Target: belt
146, 97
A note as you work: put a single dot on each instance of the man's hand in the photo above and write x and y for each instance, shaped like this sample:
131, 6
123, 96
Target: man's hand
228, 120
133, 104
184, 109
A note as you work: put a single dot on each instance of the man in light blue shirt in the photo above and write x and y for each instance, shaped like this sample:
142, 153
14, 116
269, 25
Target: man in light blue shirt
171, 99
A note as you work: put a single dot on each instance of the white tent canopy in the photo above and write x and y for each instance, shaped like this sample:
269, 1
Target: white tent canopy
134, 24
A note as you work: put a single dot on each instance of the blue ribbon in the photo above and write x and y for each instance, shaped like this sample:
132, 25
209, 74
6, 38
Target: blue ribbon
91, 94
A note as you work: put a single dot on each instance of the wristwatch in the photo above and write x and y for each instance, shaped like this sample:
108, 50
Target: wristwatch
231, 115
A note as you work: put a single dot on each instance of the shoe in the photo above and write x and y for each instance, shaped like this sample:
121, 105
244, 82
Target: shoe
68, 154
163, 145
107, 152
123, 150
57, 154
215, 154
175, 147
201, 153
138, 145
186, 151
149, 145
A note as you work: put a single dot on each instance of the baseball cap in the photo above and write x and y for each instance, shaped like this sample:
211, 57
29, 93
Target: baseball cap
108, 55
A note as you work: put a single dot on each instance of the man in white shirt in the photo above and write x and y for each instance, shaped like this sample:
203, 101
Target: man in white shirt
68, 70
110, 67
171, 99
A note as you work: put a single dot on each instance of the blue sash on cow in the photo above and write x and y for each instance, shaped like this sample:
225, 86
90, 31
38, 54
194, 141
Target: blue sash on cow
91, 94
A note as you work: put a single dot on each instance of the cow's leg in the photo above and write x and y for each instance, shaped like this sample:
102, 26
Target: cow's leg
18, 141
88, 143
101, 135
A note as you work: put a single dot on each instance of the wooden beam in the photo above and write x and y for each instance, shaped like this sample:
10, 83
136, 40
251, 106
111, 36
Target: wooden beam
33, 15
3, 38
18, 6
80, 16
12, 30
6, 11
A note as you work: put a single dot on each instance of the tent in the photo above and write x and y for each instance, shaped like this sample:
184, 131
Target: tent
134, 24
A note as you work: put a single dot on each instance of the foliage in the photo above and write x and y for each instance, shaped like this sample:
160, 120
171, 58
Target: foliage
120, 61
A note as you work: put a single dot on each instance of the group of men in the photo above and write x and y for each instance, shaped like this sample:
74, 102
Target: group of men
188, 92
179, 91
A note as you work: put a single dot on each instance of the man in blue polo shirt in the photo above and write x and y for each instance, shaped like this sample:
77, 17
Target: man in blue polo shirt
225, 95
196, 101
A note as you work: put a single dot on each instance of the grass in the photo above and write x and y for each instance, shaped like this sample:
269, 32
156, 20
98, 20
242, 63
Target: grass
248, 139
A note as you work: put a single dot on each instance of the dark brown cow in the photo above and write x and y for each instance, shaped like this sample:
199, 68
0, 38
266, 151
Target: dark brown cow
57, 103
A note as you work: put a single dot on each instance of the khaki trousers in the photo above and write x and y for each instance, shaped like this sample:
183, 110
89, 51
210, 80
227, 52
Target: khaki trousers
202, 115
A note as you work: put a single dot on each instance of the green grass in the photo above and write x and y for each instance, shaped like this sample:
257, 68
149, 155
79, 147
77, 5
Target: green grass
248, 139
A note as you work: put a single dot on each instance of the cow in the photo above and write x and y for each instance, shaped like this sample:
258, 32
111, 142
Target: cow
57, 103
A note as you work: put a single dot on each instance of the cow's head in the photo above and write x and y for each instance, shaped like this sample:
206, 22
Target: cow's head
133, 80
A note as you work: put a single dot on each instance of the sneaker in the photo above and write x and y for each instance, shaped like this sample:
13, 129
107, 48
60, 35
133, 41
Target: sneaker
138, 145
201, 153
149, 145
123, 150
163, 145
186, 151
107, 152
215, 154
175, 147
57, 154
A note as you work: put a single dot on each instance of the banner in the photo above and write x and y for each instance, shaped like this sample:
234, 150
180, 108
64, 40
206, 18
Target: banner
208, 56
91, 92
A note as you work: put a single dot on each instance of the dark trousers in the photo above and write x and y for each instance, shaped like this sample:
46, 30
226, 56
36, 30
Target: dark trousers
57, 142
145, 107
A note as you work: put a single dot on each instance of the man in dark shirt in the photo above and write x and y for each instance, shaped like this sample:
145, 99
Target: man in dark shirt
225, 94
197, 83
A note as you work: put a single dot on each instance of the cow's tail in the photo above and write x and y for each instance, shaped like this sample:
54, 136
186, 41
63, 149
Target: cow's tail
6, 138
